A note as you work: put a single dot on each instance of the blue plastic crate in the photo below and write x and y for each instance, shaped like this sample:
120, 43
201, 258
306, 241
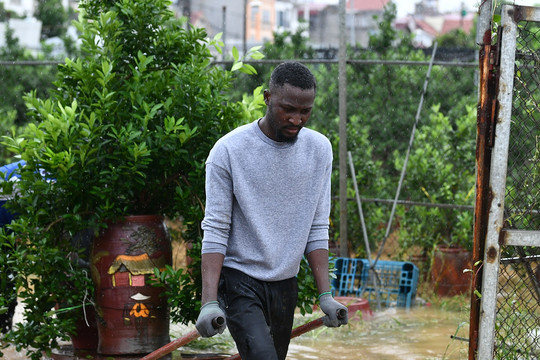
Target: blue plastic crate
396, 284
348, 276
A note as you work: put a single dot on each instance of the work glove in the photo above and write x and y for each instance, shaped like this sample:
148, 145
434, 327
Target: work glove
211, 320
336, 313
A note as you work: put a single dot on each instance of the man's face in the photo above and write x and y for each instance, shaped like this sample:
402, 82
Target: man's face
289, 109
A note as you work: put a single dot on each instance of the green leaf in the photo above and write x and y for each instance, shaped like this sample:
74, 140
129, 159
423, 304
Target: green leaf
257, 56
236, 66
248, 69
235, 54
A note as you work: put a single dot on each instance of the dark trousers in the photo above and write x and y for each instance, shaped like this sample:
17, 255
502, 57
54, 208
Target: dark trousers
259, 314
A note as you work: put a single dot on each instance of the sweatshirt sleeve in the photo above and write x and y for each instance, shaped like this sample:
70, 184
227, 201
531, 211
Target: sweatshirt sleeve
217, 220
318, 237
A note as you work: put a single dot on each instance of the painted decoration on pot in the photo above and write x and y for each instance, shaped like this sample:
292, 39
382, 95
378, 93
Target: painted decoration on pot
133, 315
128, 270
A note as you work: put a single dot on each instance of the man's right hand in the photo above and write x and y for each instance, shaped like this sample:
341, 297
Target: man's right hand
211, 320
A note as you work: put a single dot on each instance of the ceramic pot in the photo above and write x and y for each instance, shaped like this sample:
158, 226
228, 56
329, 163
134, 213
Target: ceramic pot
447, 270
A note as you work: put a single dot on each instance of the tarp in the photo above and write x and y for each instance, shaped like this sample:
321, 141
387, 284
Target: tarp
8, 173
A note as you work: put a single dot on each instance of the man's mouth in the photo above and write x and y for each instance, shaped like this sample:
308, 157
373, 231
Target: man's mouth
292, 130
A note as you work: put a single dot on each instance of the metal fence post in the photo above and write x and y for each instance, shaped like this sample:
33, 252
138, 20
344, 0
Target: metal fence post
488, 304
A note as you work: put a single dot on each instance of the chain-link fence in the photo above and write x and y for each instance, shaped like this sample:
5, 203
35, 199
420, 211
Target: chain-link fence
383, 98
517, 330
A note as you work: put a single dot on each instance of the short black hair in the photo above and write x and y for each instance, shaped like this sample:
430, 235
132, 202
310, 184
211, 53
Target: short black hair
293, 73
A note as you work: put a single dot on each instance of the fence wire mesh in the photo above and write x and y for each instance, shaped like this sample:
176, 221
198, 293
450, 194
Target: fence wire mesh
383, 97
523, 182
390, 107
517, 332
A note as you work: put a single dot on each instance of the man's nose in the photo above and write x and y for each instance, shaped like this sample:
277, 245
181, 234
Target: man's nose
296, 120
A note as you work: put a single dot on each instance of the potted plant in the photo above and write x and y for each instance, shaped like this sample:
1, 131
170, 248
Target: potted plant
125, 133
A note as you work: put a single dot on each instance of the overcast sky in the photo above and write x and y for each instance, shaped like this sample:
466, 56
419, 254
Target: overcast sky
405, 7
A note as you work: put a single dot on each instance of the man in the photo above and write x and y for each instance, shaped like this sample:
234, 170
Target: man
267, 205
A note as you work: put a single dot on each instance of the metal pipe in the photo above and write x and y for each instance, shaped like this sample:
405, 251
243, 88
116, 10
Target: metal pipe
483, 161
411, 140
342, 99
483, 27
244, 37
373, 274
414, 203
359, 203
485, 127
276, 62
361, 62
530, 273
224, 30
520, 259
497, 184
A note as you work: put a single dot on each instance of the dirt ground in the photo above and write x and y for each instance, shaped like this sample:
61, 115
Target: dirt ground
12, 354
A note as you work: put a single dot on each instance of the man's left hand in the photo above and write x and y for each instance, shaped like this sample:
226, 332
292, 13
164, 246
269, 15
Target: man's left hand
336, 314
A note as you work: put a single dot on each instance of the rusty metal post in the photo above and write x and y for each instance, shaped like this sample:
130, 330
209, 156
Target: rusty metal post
483, 161
497, 186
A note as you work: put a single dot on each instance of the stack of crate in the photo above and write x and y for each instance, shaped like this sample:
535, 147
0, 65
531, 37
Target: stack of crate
392, 283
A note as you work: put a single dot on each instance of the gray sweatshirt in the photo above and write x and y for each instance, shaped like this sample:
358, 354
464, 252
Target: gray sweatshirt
267, 202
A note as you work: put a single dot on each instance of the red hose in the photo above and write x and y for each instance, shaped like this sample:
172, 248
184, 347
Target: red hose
170, 347
181, 341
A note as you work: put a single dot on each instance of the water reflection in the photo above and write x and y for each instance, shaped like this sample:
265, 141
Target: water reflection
421, 333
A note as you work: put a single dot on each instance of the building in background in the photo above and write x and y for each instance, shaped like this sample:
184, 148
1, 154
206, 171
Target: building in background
23, 8
244, 23
360, 22
27, 31
427, 22
26, 8
247, 23
260, 21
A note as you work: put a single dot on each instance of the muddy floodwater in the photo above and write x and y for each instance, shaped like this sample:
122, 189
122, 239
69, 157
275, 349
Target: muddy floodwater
422, 333
392, 334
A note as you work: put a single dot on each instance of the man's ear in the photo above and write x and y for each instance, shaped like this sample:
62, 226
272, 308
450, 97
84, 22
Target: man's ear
266, 95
